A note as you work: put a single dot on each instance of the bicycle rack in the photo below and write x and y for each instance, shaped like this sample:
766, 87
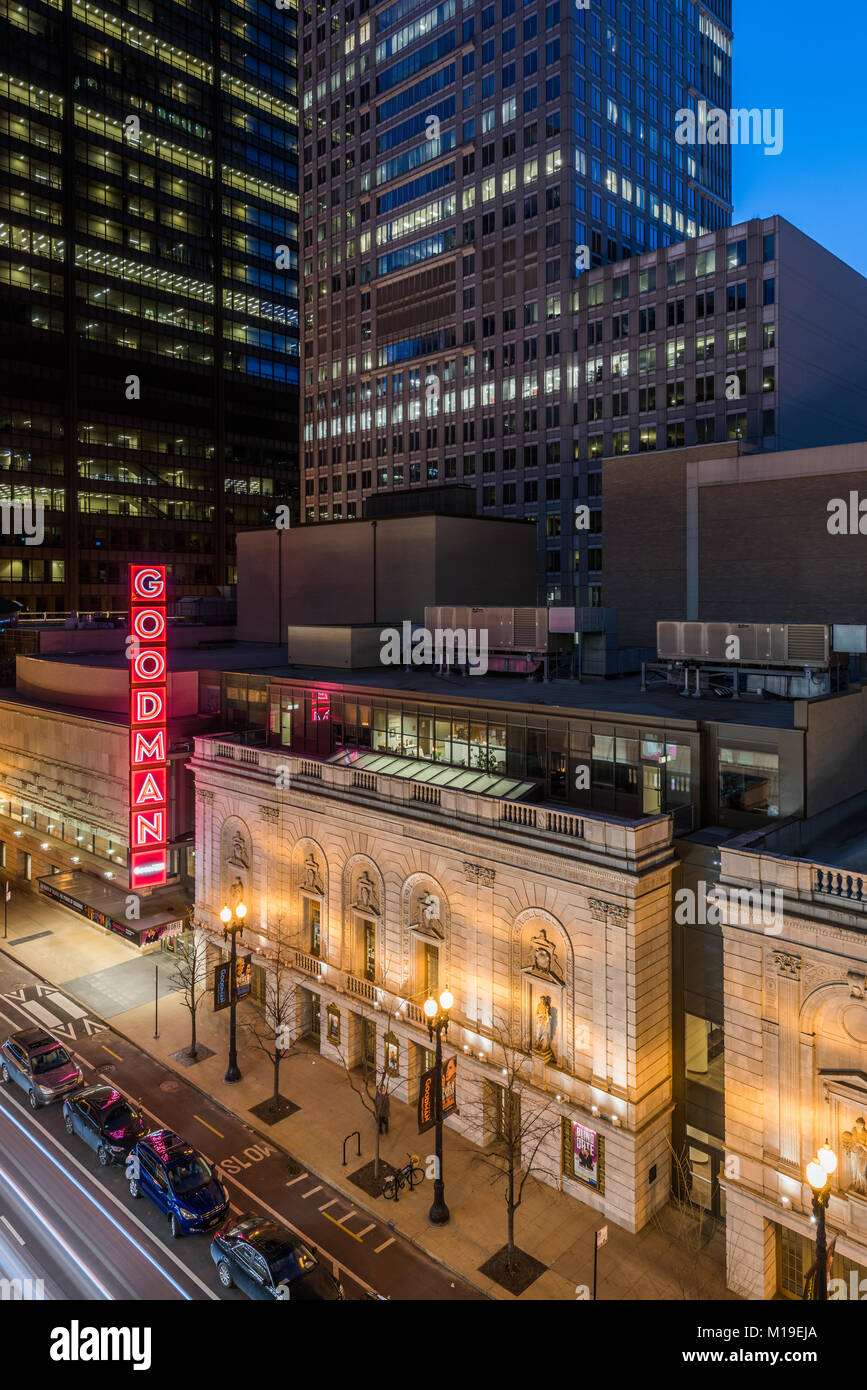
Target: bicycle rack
356, 1135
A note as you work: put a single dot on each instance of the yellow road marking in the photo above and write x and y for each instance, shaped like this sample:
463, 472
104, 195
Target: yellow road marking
335, 1222
110, 1053
207, 1126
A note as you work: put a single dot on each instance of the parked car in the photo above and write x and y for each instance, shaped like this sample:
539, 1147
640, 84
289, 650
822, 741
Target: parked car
266, 1261
178, 1180
105, 1120
40, 1065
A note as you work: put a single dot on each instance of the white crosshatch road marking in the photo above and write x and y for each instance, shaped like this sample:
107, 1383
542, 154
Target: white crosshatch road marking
45, 1005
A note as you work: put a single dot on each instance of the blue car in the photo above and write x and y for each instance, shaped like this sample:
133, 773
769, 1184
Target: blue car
178, 1180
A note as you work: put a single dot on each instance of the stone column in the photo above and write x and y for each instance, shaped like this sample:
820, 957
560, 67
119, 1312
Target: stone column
788, 968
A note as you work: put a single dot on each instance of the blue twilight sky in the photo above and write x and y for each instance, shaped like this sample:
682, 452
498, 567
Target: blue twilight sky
808, 57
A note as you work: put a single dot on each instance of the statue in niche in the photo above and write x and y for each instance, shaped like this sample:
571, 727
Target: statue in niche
543, 960
855, 1157
543, 1026
366, 897
236, 891
239, 856
312, 879
429, 915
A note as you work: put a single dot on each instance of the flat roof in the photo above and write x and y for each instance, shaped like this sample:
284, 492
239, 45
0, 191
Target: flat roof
605, 699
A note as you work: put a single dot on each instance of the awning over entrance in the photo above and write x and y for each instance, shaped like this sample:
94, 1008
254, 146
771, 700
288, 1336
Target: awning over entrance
462, 779
162, 915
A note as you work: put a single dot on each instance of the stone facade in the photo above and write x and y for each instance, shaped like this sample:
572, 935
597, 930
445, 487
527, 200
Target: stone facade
68, 771
380, 895
796, 1063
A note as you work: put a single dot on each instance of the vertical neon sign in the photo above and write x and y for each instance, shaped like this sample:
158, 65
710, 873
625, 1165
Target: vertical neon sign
148, 760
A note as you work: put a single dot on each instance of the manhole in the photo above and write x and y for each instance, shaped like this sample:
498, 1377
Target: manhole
170, 1085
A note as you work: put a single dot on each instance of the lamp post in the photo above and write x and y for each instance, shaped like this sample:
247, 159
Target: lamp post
819, 1173
437, 1015
233, 925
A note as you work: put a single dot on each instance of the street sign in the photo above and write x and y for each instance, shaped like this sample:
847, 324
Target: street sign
601, 1237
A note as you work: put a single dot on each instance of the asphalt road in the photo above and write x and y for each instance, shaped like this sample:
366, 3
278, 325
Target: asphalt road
87, 1238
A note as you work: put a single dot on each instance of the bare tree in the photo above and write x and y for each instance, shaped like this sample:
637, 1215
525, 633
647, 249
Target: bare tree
189, 974
521, 1129
372, 1079
276, 1031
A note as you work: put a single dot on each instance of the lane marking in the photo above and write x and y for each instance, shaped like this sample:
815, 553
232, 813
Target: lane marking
326, 1205
64, 1005
300, 1178
337, 1266
366, 1229
308, 1240
42, 1015
110, 1053
10, 1227
347, 1214
236, 1210
311, 1193
207, 1126
341, 1227
379, 1249
55, 1234
106, 1192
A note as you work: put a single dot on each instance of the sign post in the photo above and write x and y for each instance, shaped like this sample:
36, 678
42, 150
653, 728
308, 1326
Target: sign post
601, 1239
7, 894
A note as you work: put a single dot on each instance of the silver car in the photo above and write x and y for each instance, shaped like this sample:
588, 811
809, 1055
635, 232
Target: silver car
40, 1065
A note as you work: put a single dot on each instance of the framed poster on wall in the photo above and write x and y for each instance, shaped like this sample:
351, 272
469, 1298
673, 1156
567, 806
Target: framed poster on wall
583, 1154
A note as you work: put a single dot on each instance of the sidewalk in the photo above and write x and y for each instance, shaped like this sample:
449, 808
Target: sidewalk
106, 975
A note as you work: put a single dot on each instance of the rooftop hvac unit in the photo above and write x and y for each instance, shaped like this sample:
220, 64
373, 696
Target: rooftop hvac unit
508, 629
746, 644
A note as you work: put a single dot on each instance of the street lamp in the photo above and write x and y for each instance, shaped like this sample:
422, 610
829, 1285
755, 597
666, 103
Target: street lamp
233, 925
437, 1015
819, 1172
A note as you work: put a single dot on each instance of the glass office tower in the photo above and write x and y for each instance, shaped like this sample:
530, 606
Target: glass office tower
148, 289
463, 163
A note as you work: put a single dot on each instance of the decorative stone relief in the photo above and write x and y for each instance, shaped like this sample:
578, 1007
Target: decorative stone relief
787, 965
206, 797
477, 873
271, 814
856, 984
364, 896
311, 875
601, 910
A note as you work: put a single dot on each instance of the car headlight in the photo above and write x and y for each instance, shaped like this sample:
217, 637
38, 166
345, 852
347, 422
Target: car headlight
46, 1090
187, 1215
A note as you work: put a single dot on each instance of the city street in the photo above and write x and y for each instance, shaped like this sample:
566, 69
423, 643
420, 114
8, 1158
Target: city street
85, 1236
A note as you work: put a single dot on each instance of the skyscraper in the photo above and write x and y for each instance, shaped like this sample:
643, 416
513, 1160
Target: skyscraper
148, 289
463, 164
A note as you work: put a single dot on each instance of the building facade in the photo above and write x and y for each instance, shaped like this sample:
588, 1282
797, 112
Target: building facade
462, 165
149, 265
683, 529
550, 930
796, 1064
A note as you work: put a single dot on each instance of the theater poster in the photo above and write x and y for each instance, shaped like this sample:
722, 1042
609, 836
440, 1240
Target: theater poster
585, 1153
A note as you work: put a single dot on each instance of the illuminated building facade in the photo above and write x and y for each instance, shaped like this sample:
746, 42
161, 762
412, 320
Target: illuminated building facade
551, 931
796, 1051
457, 157
148, 289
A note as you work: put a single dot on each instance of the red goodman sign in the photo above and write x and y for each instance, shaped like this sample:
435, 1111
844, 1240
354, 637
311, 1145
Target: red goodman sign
148, 760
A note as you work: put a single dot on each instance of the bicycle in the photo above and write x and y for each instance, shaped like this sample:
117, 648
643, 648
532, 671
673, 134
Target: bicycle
409, 1176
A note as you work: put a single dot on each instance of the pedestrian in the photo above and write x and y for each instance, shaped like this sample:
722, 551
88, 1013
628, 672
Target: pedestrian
383, 1109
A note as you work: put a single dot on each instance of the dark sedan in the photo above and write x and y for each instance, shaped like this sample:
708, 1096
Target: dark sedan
40, 1065
105, 1120
266, 1261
